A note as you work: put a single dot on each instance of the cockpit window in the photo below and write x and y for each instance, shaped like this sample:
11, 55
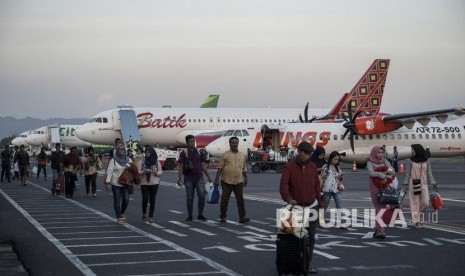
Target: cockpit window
245, 133
229, 132
104, 120
238, 133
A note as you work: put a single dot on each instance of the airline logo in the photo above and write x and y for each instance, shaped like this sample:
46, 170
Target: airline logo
370, 124
292, 139
146, 121
67, 131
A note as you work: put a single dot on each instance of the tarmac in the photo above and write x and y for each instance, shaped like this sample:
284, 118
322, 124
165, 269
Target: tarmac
10, 264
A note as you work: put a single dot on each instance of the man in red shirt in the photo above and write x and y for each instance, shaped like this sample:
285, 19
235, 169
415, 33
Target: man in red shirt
300, 185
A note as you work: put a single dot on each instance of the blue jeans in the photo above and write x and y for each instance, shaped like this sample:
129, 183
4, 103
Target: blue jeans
337, 198
56, 173
120, 199
191, 185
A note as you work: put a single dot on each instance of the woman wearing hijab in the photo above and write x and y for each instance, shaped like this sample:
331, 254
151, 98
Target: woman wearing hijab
375, 160
418, 171
150, 170
115, 168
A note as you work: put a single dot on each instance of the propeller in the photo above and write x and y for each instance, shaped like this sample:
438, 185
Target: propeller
349, 124
305, 119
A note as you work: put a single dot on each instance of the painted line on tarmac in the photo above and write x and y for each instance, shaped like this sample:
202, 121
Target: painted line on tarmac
453, 200
196, 256
68, 254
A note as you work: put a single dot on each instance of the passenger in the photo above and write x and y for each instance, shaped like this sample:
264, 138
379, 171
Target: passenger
71, 165
232, 170
150, 170
418, 170
115, 168
91, 164
191, 165
385, 154
395, 159
22, 157
376, 159
427, 152
42, 160
56, 162
318, 158
333, 177
300, 185
6, 163
113, 149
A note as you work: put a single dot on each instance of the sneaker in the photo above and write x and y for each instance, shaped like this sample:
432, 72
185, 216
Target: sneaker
123, 217
189, 218
94, 195
144, 219
151, 220
120, 221
244, 220
222, 219
202, 218
379, 235
88, 195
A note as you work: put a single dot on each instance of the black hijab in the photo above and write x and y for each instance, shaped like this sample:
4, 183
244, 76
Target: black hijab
420, 154
319, 163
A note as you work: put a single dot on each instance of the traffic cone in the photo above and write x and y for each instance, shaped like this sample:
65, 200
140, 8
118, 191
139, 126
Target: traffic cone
354, 167
401, 169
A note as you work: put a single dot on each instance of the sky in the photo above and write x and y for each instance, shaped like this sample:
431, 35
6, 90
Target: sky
70, 59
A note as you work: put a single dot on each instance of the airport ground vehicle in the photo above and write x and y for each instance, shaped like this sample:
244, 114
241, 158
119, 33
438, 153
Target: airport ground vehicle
262, 161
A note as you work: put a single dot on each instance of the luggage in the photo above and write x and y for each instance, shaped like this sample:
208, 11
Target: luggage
436, 201
60, 185
291, 254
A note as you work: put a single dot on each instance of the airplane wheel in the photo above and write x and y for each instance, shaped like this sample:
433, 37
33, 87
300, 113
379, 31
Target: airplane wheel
170, 164
256, 168
279, 168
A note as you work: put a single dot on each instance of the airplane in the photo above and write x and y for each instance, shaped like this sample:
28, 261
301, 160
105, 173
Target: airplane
64, 134
169, 126
445, 138
211, 101
21, 139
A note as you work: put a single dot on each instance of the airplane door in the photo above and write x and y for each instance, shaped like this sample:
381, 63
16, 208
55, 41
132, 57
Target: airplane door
218, 121
129, 127
55, 134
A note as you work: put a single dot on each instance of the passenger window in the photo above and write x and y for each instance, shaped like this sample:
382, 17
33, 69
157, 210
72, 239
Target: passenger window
385, 136
420, 136
370, 137
399, 136
413, 136
335, 137
427, 136
440, 136
391, 136
446, 136
452, 136
189, 120
378, 136
459, 136
433, 136
406, 136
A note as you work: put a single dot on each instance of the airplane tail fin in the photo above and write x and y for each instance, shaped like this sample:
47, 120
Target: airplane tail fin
367, 94
211, 101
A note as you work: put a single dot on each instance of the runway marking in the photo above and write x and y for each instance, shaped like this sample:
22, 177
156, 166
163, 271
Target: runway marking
202, 231
68, 254
453, 200
92, 232
71, 222
180, 224
223, 248
258, 229
187, 273
174, 233
326, 255
100, 238
124, 253
175, 211
111, 244
145, 262
86, 270
86, 226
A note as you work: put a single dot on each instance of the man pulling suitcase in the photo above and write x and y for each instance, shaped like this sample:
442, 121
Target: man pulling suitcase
300, 185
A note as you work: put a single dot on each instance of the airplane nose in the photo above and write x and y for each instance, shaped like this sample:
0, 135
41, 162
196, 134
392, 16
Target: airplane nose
213, 149
83, 133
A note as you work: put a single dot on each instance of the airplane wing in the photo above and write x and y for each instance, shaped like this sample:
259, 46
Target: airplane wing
409, 119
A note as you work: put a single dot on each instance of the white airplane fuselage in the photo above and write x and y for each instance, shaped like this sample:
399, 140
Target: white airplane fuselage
169, 126
68, 138
444, 140
21, 139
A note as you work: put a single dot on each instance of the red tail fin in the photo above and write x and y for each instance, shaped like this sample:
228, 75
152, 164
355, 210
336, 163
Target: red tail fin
367, 94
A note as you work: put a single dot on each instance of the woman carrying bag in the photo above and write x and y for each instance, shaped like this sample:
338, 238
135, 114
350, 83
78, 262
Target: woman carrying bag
150, 171
416, 175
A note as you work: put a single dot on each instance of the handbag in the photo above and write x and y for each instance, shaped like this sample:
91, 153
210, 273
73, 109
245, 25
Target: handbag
213, 195
127, 180
436, 201
388, 196
340, 187
416, 183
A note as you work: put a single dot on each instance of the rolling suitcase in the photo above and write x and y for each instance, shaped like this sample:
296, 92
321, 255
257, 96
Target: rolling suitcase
60, 185
291, 254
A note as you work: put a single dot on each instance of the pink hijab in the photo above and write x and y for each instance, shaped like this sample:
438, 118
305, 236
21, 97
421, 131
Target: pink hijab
374, 156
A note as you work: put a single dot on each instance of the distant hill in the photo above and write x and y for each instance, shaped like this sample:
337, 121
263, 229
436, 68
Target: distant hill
12, 126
